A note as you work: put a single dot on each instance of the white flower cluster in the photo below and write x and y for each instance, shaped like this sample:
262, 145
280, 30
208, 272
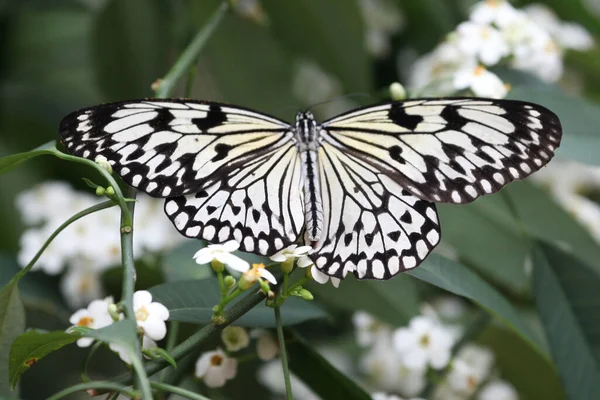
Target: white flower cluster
301, 253
150, 317
569, 184
216, 367
382, 20
397, 360
91, 244
532, 40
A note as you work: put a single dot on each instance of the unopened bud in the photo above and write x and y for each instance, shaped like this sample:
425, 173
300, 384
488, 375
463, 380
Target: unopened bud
305, 294
100, 191
114, 312
229, 281
246, 282
110, 191
287, 266
217, 266
103, 162
397, 91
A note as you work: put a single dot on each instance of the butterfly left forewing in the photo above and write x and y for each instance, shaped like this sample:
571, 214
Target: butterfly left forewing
372, 226
449, 150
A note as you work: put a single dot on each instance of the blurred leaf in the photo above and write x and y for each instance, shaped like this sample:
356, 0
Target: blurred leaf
394, 301
9, 162
330, 33
533, 376
459, 280
31, 346
130, 47
121, 332
318, 374
12, 324
578, 117
243, 64
192, 301
427, 22
178, 265
566, 293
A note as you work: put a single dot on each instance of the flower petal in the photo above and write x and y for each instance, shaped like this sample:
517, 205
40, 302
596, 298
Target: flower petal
302, 250
318, 276
204, 256
141, 297
154, 328
230, 246
304, 262
234, 262
278, 257
265, 273
158, 310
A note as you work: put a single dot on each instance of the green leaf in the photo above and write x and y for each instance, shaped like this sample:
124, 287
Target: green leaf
178, 265
533, 376
156, 353
192, 301
316, 372
130, 46
121, 332
578, 117
459, 280
566, 294
394, 301
12, 324
31, 346
304, 28
9, 162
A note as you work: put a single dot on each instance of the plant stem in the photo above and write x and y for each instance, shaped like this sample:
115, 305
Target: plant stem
179, 391
190, 54
283, 353
104, 385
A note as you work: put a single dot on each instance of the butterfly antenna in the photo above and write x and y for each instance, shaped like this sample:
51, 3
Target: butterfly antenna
351, 95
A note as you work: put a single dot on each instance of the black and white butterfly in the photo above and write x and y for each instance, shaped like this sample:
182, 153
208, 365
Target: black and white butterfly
359, 188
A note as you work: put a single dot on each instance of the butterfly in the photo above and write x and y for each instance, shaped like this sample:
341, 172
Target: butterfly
359, 188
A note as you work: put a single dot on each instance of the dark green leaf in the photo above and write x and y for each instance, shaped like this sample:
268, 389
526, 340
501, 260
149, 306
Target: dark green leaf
31, 346
394, 301
578, 117
316, 372
566, 294
12, 324
130, 46
533, 376
299, 24
9, 162
459, 280
178, 265
156, 353
122, 333
192, 301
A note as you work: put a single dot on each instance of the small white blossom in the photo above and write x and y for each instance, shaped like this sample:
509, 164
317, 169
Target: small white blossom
481, 82
368, 329
483, 41
104, 163
424, 342
323, 278
215, 368
257, 271
150, 316
498, 12
470, 368
498, 390
235, 338
44, 201
123, 351
80, 285
222, 253
449, 308
293, 251
267, 347
95, 316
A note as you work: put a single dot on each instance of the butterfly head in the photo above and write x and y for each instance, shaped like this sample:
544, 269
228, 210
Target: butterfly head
306, 129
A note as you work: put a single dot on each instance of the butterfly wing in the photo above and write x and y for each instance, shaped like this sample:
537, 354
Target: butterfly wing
449, 150
228, 172
373, 227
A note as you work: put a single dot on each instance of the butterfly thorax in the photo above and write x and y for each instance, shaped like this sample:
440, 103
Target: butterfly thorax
307, 141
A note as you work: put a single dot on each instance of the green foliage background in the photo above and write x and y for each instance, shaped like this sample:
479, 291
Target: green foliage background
62, 55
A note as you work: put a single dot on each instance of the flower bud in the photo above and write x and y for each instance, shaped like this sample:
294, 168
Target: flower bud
397, 91
229, 281
217, 266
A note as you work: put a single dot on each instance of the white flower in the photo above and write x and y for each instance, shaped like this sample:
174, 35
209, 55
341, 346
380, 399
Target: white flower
483, 41
267, 347
95, 316
449, 308
382, 19
123, 351
481, 82
424, 342
154, 231
385, 396
471, 366
215, 368
80, 285
323, 278
150, 316
498, 12
387, 371
52, 260
104, 163
257, 271
498, 390
291, 252
368, 329
222, 253
270, 375
575, 36
235, 338
44, 201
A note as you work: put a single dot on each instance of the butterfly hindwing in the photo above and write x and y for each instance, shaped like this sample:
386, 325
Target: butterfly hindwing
171, 147
372, 226
449, 150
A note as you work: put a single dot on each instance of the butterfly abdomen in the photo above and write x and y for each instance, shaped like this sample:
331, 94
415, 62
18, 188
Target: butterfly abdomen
312, 196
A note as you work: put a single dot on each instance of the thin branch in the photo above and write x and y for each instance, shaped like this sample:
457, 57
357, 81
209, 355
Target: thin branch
94, 385
190, 54
179, 391
283, 353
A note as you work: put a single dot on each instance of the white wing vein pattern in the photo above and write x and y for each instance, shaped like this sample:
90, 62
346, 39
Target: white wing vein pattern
373, 227
228, 172
450, 150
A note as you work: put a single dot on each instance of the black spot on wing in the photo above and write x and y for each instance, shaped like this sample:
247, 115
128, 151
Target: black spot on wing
399, 116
